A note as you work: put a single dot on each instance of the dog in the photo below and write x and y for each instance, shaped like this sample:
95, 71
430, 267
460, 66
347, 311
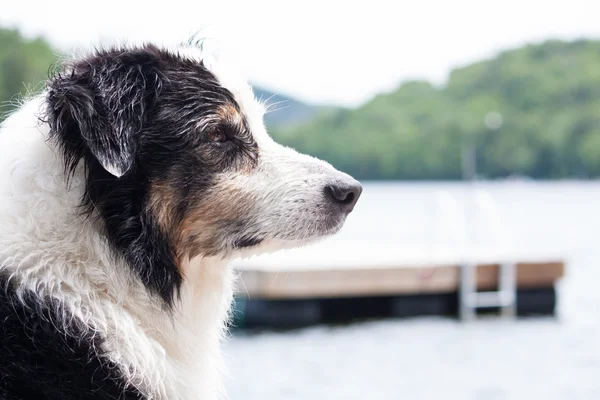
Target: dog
126, 187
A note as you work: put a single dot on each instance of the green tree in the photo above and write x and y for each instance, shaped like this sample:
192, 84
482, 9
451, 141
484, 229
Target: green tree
24, 64
541, 103
532, 111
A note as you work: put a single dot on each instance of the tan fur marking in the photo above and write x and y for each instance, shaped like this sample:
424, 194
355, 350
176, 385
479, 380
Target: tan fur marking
162, 201
230, 114
200, 232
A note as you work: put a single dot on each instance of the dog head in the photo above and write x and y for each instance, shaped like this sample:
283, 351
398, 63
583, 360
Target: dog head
178, 162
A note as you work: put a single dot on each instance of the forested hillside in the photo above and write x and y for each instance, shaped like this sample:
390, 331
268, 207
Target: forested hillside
532, 111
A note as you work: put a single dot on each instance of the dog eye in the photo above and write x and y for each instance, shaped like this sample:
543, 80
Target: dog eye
217, 135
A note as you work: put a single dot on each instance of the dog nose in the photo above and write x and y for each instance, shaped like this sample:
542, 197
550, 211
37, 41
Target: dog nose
344, 192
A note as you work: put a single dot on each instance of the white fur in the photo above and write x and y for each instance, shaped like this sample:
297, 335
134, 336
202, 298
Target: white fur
48, 248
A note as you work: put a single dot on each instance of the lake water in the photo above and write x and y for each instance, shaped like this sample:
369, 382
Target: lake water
434, 358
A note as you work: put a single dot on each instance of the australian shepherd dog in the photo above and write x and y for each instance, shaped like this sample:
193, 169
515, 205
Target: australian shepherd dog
126, 187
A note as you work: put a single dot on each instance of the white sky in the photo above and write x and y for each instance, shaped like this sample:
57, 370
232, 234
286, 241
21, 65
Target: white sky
340, 52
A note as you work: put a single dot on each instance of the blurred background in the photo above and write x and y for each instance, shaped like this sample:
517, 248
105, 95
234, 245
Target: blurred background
475, 129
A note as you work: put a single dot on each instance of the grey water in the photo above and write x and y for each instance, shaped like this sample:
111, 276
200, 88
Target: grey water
443, 358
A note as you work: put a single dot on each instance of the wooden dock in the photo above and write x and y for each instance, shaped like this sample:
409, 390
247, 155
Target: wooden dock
379, 281
302, 282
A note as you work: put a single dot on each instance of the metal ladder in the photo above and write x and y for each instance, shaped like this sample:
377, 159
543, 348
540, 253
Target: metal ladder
469, 298
505, 297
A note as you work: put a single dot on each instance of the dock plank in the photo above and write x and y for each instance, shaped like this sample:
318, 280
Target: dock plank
375, 281
343, 268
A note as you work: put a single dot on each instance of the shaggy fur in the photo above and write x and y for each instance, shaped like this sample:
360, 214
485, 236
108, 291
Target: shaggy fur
125, 189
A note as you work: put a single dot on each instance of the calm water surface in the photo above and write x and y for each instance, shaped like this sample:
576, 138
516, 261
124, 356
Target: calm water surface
435, 358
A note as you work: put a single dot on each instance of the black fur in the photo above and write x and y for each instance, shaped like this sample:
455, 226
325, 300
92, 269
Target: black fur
41, 358
248, 242
147, 114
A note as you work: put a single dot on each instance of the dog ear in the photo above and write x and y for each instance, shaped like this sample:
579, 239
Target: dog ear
99, 108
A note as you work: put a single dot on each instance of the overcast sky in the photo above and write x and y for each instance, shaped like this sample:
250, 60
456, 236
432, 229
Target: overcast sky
319, 51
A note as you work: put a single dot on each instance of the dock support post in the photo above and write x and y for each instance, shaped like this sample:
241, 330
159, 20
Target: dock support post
468, 290
508, 289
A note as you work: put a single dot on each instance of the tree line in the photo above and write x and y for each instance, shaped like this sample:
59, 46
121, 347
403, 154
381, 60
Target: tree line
532, 111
